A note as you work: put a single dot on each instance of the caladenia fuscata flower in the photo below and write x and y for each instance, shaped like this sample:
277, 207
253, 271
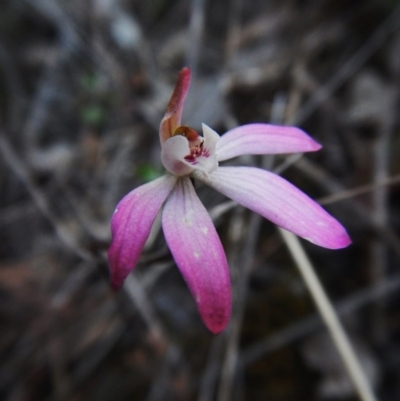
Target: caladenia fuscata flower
187, 226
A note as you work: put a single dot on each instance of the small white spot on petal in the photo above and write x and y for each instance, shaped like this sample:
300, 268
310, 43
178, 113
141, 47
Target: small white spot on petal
204, 230
187, 218
196, 254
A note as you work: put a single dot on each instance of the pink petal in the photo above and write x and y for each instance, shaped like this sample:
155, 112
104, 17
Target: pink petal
173, 115
131, 224
260, 139
198, 252
281, 202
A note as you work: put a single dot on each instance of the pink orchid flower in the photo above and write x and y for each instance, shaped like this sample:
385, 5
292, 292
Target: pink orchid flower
188, 228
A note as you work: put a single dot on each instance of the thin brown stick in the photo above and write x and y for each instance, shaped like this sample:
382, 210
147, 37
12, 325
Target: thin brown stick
40, 199
360, 190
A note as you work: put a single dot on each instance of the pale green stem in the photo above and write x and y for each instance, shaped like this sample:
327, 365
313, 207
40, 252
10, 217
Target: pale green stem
329, 316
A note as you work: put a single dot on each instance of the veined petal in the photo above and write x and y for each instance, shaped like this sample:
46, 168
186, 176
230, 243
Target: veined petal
173, 115
260, 139
279, 201
131, 224
198, 253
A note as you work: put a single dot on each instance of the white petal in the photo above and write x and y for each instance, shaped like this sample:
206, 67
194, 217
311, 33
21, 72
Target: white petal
173, 153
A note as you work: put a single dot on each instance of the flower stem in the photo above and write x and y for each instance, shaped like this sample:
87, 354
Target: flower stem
329, 316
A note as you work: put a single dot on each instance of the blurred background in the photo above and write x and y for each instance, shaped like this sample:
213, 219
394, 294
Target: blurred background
83, 87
